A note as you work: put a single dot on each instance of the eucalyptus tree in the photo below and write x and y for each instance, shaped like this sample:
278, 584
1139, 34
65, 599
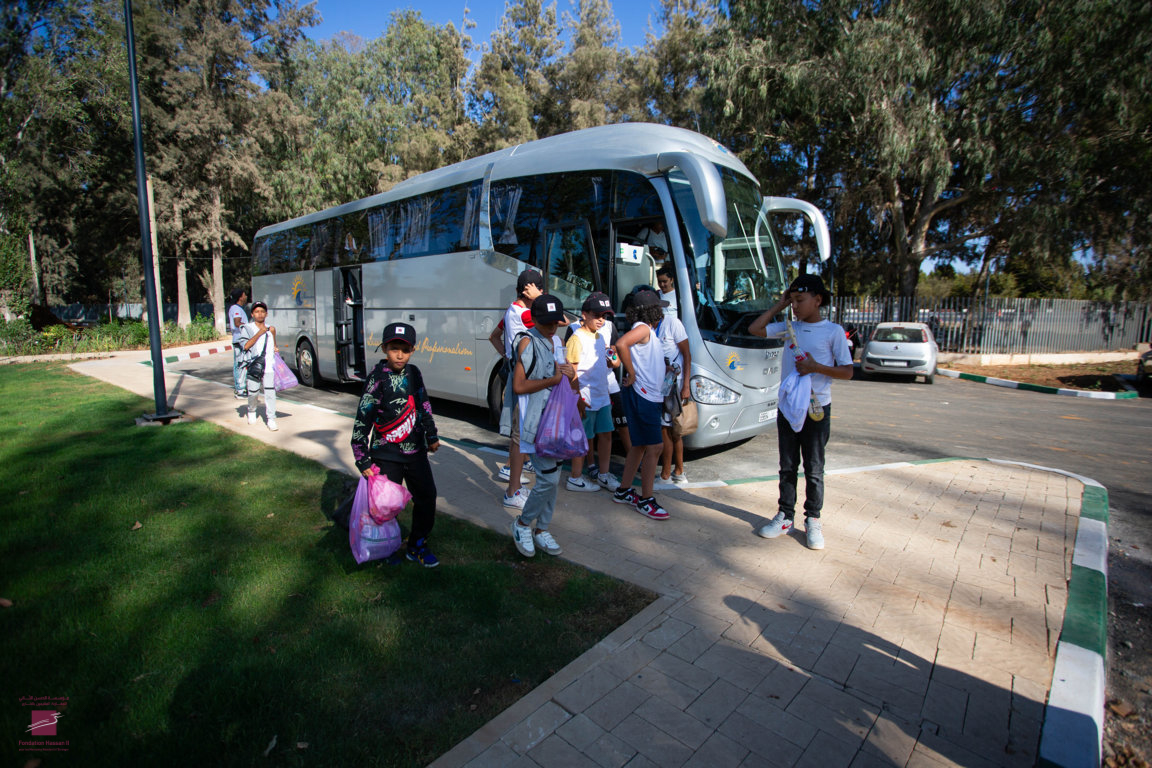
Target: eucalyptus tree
510, 88
207, 60
62, 129
587, 88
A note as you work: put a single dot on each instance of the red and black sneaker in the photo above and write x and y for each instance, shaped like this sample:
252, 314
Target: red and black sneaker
649, 508
626, 496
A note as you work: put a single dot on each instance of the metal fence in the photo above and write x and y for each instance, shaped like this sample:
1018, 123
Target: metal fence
101, 313
1006, 326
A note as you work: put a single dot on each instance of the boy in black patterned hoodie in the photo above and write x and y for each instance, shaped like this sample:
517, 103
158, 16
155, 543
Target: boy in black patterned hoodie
394, 431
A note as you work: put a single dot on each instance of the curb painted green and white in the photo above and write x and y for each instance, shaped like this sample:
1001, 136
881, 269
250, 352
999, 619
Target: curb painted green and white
1037, 387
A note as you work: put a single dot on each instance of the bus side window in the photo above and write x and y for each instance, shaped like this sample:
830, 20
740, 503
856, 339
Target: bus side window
514, 209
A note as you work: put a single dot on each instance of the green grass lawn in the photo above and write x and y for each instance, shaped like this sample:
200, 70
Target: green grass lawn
235, 612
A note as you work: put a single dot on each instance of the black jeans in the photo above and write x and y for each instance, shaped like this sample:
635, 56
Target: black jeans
809, 442
416, 473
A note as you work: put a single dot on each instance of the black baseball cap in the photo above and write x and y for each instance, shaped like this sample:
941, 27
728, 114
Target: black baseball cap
598, 304
399, 332
259, 304
646, 297
529, 277
547, 309
811, 284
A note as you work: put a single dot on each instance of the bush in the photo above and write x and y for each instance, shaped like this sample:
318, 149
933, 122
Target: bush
17, 337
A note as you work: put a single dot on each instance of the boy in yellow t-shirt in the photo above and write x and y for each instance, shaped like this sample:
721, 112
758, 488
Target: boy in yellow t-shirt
590, 355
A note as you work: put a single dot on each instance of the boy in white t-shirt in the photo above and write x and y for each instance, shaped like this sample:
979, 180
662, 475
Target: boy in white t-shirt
828, 357
517, 320
589, 352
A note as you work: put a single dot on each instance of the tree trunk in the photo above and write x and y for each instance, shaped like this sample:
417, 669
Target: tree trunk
39, 295
218, 307
183, 313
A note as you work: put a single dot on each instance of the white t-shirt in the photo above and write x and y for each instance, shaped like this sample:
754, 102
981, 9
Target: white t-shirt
671, 333
669, 297
517, 320
589, 353
648, 365
236, 311
653, 239
610, 373
824, 341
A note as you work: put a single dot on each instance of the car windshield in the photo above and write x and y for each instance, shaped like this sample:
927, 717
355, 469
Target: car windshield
739, 276
906, 335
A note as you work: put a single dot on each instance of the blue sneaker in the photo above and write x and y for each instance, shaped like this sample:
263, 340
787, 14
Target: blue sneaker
422, 554
592, 472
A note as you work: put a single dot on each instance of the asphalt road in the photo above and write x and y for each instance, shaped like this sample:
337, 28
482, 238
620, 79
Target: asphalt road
883, 420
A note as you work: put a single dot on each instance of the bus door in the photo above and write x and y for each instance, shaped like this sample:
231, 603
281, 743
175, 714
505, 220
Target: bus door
348, 315
570, 263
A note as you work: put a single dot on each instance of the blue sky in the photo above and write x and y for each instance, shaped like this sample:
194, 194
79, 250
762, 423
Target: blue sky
368, 19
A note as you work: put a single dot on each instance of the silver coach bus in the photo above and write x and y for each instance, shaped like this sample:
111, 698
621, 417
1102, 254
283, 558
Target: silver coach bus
441, 251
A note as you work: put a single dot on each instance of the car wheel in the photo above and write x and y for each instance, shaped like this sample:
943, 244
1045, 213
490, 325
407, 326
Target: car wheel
495, 396
929, 378
306, 364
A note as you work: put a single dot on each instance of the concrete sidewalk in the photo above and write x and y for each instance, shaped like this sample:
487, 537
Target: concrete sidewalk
926, 633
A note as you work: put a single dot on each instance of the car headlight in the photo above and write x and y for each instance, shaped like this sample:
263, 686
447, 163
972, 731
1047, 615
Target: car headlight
711, 393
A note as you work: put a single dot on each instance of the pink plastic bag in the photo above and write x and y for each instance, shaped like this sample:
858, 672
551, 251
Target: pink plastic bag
386, 498
560, 434
283, 376
370, 540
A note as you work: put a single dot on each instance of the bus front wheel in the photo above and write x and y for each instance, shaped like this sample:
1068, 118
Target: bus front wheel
306, 364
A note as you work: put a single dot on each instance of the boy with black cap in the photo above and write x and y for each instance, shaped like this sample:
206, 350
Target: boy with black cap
589, 350
534, 373
827, 357
517, 320
394, 432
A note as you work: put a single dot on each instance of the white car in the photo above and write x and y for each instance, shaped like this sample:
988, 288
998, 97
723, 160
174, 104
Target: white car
906, 349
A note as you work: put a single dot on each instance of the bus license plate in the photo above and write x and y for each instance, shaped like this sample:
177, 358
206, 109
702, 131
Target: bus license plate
767, 415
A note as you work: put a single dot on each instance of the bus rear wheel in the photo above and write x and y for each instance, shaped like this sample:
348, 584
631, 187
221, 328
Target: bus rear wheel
306, 364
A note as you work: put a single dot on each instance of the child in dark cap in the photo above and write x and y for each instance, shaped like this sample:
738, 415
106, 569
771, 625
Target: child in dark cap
826, 357
394, 432
535, 372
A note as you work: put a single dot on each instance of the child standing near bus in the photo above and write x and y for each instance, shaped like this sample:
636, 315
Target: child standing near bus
674, 338
589, 352
535, 371
517, 320
827, 357
394, 432
642, 357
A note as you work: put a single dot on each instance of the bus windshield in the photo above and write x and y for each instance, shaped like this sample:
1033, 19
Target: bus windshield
739, 276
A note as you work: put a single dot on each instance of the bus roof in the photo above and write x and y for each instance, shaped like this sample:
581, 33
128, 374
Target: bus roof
625, 146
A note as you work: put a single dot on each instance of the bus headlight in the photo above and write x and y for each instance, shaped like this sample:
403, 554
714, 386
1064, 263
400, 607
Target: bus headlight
711, 393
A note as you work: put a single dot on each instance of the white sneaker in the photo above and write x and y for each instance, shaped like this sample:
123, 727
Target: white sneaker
580, 485
516, 500
679, 478
522, 537
545, 542
529, 467
608, 481
812, 529
775, 527
272, 426
251, 417
506, 474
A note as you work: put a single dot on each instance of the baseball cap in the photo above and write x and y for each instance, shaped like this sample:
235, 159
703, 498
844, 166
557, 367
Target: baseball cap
811, 284
646, 297
529, 277
597, 303
547, 309
399, 332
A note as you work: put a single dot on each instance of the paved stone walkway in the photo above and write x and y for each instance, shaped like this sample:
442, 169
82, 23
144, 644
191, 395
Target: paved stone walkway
923, 635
